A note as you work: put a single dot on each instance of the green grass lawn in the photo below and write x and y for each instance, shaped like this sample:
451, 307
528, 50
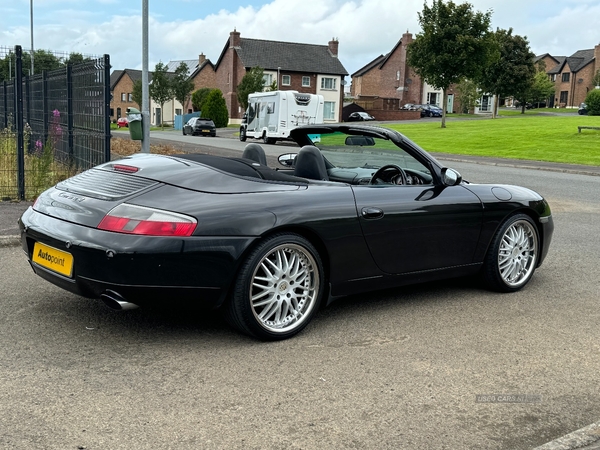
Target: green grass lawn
533, 137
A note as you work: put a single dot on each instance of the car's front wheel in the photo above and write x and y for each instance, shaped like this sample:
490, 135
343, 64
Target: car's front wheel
513, 254
278, 289
242, 134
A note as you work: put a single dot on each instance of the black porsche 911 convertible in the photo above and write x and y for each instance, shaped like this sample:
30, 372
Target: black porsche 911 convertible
362, 209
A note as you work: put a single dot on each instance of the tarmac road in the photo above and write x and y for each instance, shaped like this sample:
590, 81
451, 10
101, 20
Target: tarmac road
397, 369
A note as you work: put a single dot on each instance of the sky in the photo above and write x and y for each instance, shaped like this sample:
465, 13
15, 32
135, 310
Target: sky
183, 29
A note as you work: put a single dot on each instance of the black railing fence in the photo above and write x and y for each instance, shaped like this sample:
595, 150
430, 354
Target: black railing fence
53, 124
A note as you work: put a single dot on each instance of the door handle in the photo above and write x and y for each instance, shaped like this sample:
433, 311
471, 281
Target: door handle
372, 213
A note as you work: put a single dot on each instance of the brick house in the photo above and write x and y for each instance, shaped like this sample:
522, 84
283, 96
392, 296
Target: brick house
387, 83
201, 72
121, 89
572, 76
306, 68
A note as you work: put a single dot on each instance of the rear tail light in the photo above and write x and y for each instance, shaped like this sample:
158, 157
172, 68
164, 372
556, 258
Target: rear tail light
131, 219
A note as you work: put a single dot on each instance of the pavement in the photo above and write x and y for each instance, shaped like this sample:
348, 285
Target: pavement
587, 438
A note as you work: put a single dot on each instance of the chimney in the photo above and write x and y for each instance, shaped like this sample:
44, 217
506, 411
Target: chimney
201, 59
333, 46
597, 56
234, 39
407, 38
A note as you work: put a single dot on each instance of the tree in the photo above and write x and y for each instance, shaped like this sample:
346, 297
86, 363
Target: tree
541, 88
182, 84
75, 58
136, 93
592, 100
467, 95
160, 88
198, 98
455, 44
251, 82
215, 108
512, 73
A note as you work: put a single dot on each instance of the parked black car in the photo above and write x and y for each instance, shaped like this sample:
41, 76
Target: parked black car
200, 126
430, 111
582, 110
365, 208
359, 116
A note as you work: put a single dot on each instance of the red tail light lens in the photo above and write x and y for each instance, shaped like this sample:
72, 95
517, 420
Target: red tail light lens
131, 219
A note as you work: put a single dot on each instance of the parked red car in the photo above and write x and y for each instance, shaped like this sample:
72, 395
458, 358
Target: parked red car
122, 122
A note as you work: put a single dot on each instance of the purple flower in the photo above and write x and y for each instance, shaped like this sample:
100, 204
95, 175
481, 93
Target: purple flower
56, 113
38, 145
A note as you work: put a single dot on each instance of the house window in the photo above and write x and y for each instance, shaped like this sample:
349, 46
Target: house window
432, 98
286, 80
123, 97
267, 79
129, 97
328, 83
118, 113
177, 111
554, 77
566, 77
564, 97
398, 75
305, 81
329, 110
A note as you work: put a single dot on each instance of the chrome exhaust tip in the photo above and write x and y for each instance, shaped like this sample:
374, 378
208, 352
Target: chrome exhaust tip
116, 301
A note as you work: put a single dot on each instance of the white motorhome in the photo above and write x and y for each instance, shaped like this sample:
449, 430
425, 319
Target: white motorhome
272, 115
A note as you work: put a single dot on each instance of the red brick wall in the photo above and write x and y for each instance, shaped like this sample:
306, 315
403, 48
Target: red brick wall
206, 78
123, 86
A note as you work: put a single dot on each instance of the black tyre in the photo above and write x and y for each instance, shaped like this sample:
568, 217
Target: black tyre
183, 130
266, 140
242, 134
278, 289
513, 254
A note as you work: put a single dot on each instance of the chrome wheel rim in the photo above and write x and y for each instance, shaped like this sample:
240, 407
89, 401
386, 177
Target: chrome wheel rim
284, 288
518, 253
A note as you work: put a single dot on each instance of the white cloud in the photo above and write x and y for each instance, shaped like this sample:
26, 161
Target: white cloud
365, 28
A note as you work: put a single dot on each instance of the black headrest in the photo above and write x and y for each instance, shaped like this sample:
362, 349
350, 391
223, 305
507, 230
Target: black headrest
310, 164
256, 153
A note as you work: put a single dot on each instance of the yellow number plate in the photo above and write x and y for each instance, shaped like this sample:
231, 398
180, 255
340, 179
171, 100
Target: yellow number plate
53, 259
206, 131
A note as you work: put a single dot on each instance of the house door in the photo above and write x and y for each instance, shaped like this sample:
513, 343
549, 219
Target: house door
485, 103
450, 104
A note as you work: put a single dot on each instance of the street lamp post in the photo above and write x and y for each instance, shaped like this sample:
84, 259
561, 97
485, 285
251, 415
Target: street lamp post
278, 69
31, 20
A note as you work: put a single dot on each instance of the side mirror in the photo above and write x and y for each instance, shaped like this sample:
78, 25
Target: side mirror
287, 159
450, 177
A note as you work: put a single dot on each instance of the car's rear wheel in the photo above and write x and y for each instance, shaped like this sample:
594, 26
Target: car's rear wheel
242, 134
278, 289
183, 131
513, 254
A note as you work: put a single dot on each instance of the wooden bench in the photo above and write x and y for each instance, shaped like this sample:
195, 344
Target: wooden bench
588, 128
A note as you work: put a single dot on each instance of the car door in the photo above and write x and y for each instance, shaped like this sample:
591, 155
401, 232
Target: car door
411, 228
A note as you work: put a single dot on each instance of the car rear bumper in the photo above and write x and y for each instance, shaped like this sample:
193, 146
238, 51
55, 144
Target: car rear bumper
142, 269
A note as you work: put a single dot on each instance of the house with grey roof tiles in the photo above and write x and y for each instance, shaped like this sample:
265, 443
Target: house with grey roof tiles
307, 68
572, 75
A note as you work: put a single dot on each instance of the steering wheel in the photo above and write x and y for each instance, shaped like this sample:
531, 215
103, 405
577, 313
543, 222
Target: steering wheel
390, 173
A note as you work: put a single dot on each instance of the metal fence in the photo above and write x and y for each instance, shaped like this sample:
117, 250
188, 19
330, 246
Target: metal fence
54, 124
